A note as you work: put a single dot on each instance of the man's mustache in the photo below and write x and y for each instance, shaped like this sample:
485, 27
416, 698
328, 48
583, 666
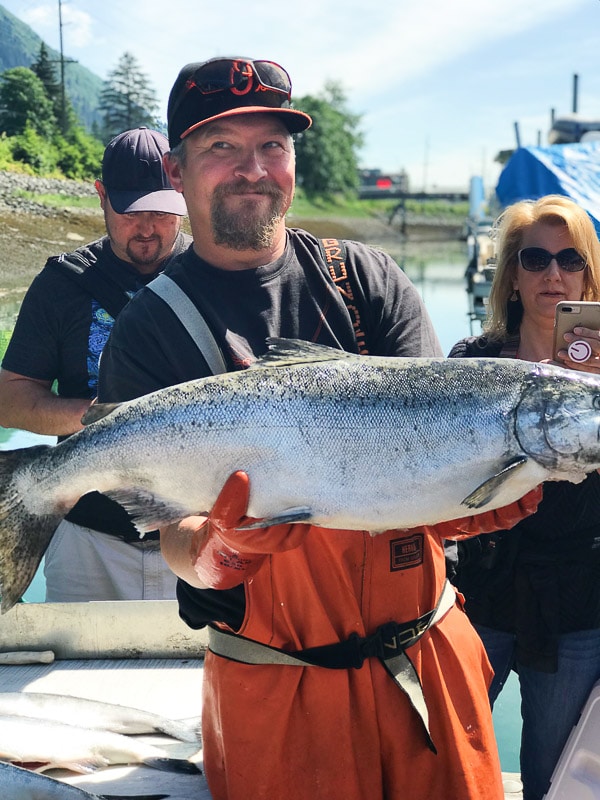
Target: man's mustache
245, 187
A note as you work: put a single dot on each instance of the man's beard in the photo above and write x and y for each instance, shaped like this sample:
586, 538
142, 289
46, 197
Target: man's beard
149, 253
248, 227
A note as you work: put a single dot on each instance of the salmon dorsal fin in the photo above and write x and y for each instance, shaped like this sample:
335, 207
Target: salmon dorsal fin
98, 411
284, 352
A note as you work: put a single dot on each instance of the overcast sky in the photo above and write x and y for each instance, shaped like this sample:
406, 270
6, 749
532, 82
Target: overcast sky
439, 83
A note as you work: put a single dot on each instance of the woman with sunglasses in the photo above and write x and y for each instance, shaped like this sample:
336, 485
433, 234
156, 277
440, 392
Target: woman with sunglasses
533, 593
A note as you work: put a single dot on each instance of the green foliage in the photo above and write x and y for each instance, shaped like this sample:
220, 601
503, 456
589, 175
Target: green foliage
438, 208
64, 113
326, 154
127, 99
43, 67
34, 150
21, 47
24, 102
7, 161
80, 155
30, 105
59, 200
351, 206
334, 206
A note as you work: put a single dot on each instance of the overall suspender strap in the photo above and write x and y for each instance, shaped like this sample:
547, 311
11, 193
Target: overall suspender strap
334, 256
389, 643
191, 319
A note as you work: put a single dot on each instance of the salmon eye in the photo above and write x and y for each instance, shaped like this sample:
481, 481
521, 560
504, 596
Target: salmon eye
596, 401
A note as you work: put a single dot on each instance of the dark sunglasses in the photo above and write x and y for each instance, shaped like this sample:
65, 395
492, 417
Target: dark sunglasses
240, 77
536, 259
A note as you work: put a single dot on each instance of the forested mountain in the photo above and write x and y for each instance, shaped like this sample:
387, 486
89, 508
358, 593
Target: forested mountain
20, 47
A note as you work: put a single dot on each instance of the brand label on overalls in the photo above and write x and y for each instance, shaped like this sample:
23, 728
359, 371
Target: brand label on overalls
406, 553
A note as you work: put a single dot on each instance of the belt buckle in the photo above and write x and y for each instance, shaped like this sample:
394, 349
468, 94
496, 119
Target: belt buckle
396, 638
392, 639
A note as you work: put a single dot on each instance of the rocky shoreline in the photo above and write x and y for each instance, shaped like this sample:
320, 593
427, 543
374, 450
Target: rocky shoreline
13, 182
412, 226
30, 232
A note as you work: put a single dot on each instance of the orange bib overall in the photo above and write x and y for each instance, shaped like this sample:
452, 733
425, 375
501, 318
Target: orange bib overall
274, 732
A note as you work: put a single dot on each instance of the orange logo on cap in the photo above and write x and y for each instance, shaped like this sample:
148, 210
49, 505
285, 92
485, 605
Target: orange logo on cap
245, 70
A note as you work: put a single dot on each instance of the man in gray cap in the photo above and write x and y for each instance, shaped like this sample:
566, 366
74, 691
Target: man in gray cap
64, 322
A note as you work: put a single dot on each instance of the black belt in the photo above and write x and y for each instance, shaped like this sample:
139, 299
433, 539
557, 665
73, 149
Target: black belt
389, 640
388, 644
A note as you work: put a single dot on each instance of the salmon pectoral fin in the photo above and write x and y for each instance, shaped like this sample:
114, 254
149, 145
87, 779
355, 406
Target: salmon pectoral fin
487, 490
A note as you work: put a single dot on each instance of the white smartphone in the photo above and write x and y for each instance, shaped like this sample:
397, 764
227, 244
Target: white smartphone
570, 315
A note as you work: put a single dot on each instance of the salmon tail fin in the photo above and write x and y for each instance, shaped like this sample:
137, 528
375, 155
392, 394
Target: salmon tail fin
186, 730
24, 533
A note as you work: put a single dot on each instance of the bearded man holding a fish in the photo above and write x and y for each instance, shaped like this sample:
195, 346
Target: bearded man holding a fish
340, 662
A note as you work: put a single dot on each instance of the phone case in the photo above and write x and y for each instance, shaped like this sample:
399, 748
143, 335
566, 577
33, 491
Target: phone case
569, 315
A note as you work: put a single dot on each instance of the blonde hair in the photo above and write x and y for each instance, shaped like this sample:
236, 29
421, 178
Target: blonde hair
508, 230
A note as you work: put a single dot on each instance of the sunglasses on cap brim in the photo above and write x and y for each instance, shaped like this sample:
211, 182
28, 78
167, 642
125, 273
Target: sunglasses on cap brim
238, 77
537, 259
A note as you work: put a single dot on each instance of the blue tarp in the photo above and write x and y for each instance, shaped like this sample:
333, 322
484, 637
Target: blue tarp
568, 169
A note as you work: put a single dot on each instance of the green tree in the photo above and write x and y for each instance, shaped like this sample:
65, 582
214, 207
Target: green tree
66, 118
128, 100
35, 150
327, 153
24, 102
79, 155
46, 72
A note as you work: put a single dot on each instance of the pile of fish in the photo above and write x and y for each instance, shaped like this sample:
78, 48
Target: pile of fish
55, 745
49, 731
327, 437
96, 715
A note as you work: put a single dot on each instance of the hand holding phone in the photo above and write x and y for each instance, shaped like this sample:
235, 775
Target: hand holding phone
569, 315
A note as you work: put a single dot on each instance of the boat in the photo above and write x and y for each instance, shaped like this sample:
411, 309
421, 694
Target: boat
572, 170
577, 773
574, 127
480, 267
480, 253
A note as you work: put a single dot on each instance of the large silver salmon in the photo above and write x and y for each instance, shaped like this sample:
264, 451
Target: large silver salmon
17, 783
340, 440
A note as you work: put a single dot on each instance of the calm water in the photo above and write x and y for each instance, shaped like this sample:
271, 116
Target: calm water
438, 273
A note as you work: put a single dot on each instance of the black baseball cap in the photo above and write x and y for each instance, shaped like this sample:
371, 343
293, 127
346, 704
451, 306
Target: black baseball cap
133, 175
225, 87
